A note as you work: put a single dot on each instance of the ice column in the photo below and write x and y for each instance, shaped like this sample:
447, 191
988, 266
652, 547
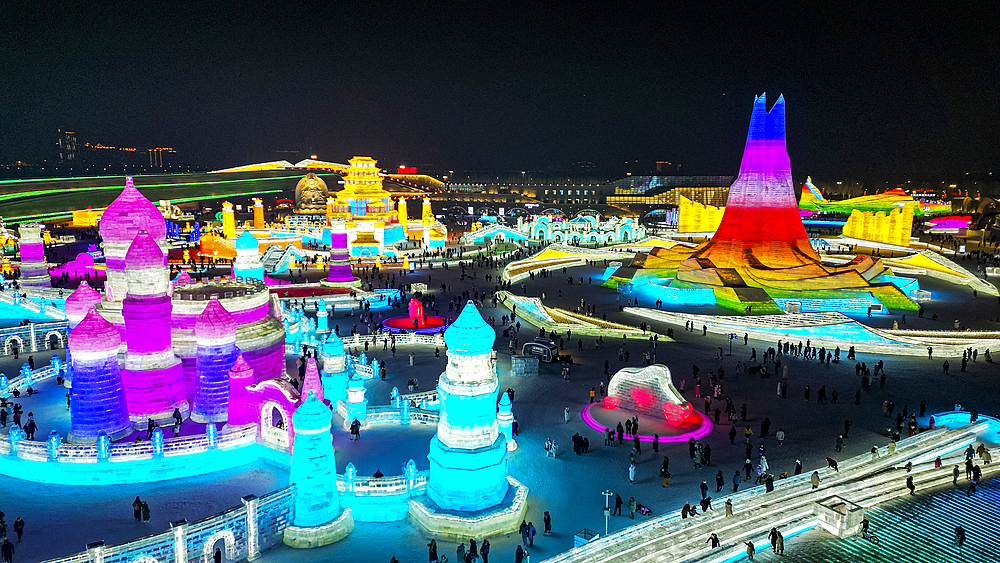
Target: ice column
215, 334
468, 456
98, 396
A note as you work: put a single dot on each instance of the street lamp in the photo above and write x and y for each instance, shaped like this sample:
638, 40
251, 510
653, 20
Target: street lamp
607, 510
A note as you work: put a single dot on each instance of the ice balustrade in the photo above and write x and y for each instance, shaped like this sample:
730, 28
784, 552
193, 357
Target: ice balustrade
858, 474
88, 453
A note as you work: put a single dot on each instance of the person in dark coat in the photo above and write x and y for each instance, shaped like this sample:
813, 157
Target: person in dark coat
547, 520
7, 550
145, 512
484, 551
137, 509
432, 551
19, 527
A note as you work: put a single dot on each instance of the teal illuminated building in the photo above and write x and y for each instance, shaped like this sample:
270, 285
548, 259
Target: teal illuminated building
468, 455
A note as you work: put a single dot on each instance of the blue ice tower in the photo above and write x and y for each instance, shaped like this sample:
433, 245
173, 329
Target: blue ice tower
314, 466
468, 455
248, 264
335, 374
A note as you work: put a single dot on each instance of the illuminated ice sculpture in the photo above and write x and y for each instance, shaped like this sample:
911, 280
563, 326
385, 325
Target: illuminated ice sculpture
34, 269
248, 264
340, 257
78, 304
335, 371
97, 399
240, 408
154, 380
650, 391
128, 214
468, 455
215, 333
318, 519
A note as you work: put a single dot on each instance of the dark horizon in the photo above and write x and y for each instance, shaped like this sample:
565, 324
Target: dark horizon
871, 92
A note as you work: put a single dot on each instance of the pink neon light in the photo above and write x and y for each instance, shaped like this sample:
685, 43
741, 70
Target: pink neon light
704, 429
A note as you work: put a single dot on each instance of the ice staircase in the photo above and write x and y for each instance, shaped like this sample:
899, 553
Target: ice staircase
789, 507
277, 260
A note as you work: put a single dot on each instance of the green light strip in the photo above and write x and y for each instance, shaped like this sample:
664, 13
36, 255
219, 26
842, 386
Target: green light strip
65, 214
19, 195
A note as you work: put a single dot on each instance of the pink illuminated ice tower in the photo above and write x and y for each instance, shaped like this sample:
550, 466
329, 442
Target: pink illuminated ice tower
154, 380
215, 332
129, 213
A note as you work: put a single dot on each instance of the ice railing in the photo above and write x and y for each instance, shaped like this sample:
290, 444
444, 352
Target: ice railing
923, 446
383, 486
87, 453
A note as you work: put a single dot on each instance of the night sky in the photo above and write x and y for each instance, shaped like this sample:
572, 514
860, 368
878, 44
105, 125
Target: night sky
508, 86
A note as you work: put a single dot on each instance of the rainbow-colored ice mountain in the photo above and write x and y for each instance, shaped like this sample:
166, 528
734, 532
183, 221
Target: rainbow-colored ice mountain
760, 252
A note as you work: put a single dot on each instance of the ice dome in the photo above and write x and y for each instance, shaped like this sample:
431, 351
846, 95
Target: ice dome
333, 346
246, 241
311, 415
469, 335
94, 334
144, 253
130, 213
80, 301
215, 321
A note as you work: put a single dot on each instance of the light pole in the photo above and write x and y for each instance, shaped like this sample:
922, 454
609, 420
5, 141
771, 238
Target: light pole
732, 336
607, 510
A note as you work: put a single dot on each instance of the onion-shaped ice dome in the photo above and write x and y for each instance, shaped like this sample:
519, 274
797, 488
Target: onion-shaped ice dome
130, 213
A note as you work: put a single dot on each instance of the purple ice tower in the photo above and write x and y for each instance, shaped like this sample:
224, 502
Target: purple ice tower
154, 380
215, 333
34, 269
98, 395
340, 257
129, 213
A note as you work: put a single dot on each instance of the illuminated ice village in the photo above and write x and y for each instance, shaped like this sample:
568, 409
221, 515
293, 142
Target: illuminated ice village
395, 401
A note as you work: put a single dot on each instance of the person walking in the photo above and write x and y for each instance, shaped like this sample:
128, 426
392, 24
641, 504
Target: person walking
736, 481
618, 505
137, 509
547, 521
750, 550
704, 489
566, 414
432, 551
631, 472
814, 480
7, 549
720, 482
19, 527
484, 550
531, 534
145, 512
780, 435
910, 485
632, 507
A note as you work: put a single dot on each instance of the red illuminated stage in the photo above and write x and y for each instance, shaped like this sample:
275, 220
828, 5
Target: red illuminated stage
417, 321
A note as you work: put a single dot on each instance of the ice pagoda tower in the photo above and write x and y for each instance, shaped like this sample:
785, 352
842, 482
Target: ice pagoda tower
319, 519
468, 455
